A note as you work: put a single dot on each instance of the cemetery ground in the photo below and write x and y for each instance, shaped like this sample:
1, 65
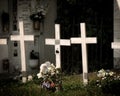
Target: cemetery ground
107, 84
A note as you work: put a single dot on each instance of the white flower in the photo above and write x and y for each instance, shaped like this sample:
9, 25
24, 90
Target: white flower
46, 68
107, 74
51, 67
103, 78
101, 73
39, 75
57, 72
111, 73
97, 80
30, 78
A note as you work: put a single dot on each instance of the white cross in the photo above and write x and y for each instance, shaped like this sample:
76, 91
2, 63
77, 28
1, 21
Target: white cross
22, 38
3, 41
57, 42
83, 40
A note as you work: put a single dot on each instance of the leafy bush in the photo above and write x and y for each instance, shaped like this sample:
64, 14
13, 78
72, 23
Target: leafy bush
108, 82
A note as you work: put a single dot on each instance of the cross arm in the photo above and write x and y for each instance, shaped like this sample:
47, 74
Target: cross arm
65, 42
29, 38
3, 41
76, 40
15, 37
91, 40
115, 45
50, 41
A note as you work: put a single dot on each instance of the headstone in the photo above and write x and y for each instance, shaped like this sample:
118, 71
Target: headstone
83, 40
22, 38
57, 42
3, 41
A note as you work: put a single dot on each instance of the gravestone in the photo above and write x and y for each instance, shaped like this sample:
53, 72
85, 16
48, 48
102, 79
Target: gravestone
57, 42
83, 40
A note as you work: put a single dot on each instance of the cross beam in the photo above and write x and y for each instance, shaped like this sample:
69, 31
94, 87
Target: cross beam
3, 41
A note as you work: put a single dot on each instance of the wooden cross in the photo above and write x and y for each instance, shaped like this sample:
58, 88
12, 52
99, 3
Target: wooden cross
83, 40
22, 38
57, 42
3, 41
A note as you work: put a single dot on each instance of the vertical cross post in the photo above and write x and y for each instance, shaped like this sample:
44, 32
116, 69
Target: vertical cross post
57, 42
83, 40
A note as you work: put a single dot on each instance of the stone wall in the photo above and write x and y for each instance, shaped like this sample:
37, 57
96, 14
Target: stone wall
3, 48
38, 45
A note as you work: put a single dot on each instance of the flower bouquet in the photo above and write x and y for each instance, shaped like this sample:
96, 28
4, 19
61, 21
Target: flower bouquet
51, 77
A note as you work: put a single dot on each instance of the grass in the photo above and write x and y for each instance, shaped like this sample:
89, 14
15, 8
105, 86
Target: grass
72, 86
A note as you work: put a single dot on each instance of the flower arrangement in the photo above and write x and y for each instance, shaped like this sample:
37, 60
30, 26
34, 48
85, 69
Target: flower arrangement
108, 81
103, 73
50, 75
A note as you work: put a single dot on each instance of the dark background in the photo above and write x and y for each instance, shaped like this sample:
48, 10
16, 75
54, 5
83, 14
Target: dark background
98, 16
